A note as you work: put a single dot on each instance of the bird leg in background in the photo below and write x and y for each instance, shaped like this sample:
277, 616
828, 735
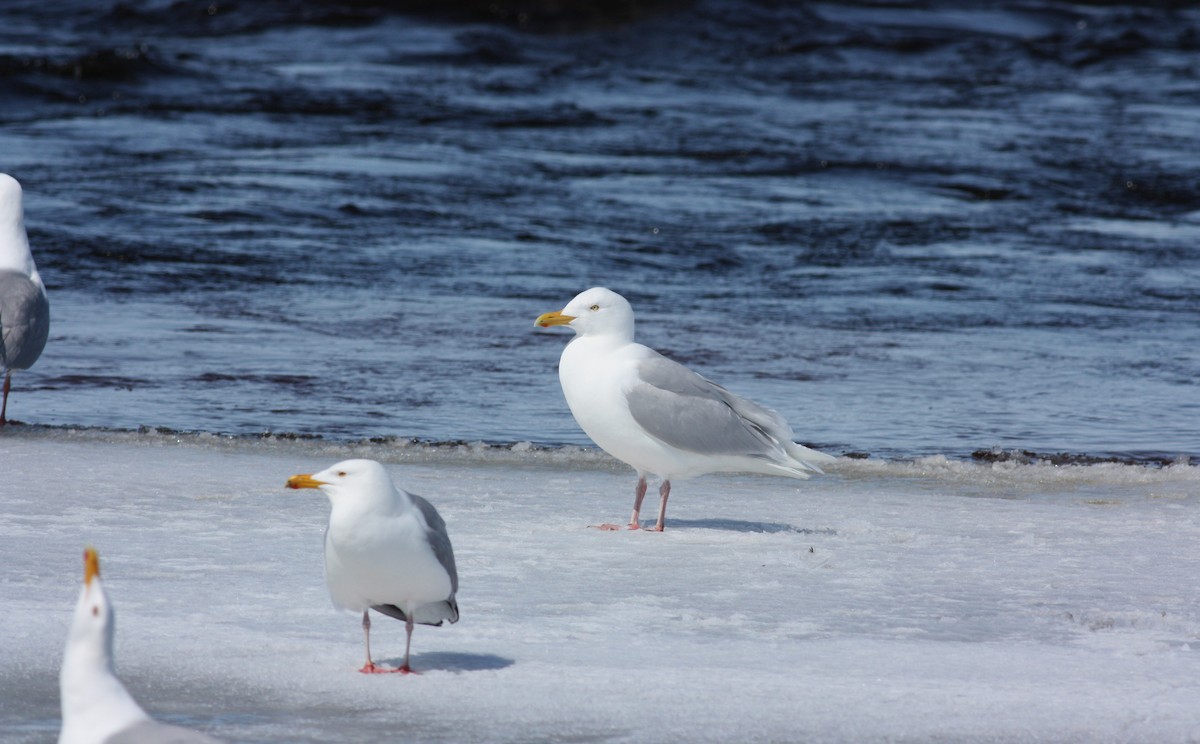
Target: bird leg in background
664, 491
4, 405
369, 667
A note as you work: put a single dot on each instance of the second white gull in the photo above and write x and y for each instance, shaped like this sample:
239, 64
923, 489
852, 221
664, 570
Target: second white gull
658, 416
385, 550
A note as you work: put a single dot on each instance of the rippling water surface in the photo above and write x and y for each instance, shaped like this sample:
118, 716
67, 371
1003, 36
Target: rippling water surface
911, 228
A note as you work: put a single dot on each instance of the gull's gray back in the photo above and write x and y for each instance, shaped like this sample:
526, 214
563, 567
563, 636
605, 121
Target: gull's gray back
24, 321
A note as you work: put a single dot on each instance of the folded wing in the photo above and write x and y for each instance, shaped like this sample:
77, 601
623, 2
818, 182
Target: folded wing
692, 413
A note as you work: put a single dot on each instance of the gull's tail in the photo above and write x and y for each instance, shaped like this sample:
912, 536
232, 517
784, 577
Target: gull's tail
808, 459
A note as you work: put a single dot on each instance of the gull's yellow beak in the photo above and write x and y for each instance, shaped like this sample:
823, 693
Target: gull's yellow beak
545, 320
304, 481
91, 565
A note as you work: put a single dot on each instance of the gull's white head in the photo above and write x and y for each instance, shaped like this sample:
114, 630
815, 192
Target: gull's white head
94, 702
347, 481
91, 633
14, 243
597, 311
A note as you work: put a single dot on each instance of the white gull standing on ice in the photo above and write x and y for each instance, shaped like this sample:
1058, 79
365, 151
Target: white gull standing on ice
24, 309
385, 550
657, 415
96, 707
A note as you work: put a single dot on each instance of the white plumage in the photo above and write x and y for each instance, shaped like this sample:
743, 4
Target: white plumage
96, 707
385, 550
657, 415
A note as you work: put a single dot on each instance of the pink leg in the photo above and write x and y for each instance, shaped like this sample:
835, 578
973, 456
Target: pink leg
639, 494
369, 667
408, 629
4, 406
664, 491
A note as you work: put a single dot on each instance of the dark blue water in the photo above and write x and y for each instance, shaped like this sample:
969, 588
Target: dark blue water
910, 228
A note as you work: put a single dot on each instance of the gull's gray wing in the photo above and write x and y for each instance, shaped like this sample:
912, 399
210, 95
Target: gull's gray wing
153, 732
433, 613
392, 611
24, 321
692, 413
439, 541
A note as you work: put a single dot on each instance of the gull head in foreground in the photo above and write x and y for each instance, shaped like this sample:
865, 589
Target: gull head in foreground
24, 309
96, 707
657, 415
385, 550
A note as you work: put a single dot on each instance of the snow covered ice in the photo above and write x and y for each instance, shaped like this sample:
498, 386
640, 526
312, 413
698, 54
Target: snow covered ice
918, 601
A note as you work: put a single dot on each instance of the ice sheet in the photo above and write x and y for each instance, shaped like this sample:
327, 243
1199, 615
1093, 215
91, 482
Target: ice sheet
923, 601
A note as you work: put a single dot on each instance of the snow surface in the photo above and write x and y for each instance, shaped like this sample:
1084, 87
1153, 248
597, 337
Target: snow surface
926, 601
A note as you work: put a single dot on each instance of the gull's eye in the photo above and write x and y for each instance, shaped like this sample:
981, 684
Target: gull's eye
341, 473
95, 611
594, 308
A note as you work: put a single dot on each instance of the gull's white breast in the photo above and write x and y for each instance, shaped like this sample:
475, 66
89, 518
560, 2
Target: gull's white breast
373, 559
596, 375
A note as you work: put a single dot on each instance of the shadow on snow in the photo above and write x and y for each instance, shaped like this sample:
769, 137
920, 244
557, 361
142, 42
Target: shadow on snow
450, 661
738, 525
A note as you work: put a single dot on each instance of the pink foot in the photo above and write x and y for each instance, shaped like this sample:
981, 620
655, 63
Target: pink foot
376, 669
655, 528
609, 527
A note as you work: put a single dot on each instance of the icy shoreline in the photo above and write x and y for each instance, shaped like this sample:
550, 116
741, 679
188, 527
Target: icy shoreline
414, 449
929, 600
